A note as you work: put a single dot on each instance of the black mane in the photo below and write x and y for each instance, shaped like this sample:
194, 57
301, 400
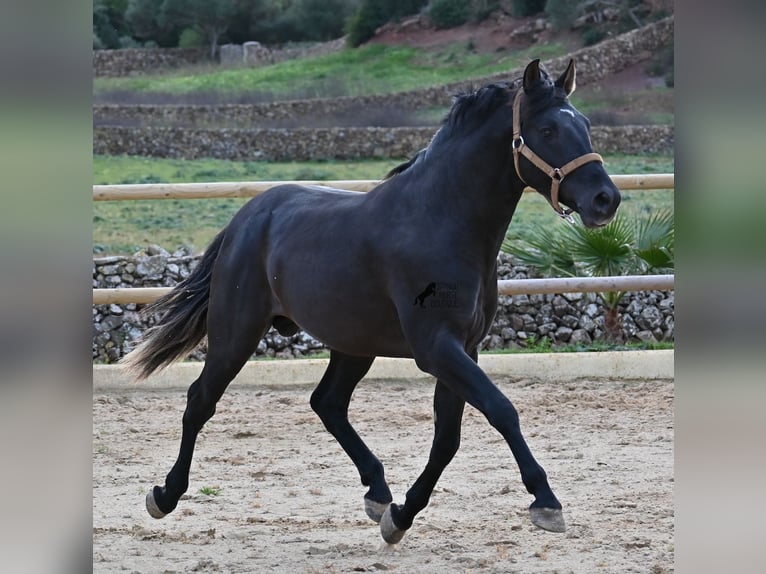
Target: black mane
481, 103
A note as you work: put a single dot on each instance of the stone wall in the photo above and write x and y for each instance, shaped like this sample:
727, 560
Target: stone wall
593, 64
192, 131
569, 318
134, 61
304, 144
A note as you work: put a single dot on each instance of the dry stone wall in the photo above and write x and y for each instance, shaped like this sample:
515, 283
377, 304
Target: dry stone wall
192, 131
303, 144
135, 61
569, 318
593, 64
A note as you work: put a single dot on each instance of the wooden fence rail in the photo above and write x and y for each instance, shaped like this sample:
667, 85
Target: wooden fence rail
253, 188
124, 295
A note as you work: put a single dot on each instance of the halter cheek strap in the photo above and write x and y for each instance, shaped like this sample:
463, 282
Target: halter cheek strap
557, 174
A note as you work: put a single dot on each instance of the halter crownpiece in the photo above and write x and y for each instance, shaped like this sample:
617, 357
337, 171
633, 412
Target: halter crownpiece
557, 174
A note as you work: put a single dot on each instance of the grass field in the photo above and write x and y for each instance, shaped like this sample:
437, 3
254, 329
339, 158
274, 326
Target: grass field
373, 69
124, 227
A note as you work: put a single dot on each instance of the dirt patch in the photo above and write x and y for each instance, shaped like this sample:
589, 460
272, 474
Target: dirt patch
285, 498
632, 96
497, 33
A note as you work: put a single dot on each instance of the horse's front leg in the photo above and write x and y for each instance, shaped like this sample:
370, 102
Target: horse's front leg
448, 414
444, 357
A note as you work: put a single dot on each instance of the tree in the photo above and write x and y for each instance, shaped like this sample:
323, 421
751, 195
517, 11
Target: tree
624, 247
319, 20
104, 33
142, 15
211, 18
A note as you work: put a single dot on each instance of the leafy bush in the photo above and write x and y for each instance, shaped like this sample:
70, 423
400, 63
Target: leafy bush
374, 13
592, 35
521, 8
191, 38
128, 42
320, 20
483, 8
624, 247
449, 13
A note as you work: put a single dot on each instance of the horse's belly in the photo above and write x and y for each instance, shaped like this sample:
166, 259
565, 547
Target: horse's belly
357, 328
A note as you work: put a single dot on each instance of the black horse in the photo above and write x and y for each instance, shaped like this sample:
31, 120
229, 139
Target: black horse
345, 267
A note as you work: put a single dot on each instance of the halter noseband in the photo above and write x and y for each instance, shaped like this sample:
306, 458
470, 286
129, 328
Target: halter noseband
557, 174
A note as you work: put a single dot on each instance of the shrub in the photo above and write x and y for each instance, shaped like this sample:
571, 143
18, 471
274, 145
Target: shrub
128, 42
374, 13
191, 38
449, 13
521, 8
483, 8
592, 35
623, 247
320, 20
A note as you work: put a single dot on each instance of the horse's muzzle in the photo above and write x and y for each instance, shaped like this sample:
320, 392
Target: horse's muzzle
602, 207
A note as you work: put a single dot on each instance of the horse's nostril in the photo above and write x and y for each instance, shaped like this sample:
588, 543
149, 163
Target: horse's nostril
602, 200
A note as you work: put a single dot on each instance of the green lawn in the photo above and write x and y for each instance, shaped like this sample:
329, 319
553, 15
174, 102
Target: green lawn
374, 69
123, 227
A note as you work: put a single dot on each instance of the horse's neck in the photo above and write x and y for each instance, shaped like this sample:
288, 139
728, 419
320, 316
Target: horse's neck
478, 193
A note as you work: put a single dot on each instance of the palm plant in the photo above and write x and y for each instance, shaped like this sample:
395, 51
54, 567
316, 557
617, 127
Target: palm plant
624, 247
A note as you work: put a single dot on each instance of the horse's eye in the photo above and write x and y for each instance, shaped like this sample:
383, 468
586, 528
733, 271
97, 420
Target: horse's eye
547, 133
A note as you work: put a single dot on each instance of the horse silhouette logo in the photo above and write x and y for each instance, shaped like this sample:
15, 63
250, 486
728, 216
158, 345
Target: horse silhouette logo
428, 291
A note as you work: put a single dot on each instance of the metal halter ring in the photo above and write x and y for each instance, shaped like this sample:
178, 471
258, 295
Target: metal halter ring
519, 140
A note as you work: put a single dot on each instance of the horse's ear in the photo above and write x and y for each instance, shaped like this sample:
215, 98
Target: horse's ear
566, 80
532, 75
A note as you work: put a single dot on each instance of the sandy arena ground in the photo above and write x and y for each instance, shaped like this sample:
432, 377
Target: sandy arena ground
289, 500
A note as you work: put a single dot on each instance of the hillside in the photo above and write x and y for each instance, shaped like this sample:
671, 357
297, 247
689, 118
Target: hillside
623, 80
640, 94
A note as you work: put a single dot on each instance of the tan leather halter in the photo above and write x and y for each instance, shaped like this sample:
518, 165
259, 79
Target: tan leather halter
557, 174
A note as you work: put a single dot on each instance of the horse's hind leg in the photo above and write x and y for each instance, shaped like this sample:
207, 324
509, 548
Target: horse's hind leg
448, 414
330, 401
236, 324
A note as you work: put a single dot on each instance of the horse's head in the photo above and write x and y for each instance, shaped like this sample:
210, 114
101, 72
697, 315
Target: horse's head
552, 149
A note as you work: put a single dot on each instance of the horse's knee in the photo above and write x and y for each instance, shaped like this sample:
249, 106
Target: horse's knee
317, 402
501, 414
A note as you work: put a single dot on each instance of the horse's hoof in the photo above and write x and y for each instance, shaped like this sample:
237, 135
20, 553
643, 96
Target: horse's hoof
551, 519
388, 529
151, 506
374, 509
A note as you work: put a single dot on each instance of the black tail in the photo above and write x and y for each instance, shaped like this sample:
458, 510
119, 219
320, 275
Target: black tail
184, 323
